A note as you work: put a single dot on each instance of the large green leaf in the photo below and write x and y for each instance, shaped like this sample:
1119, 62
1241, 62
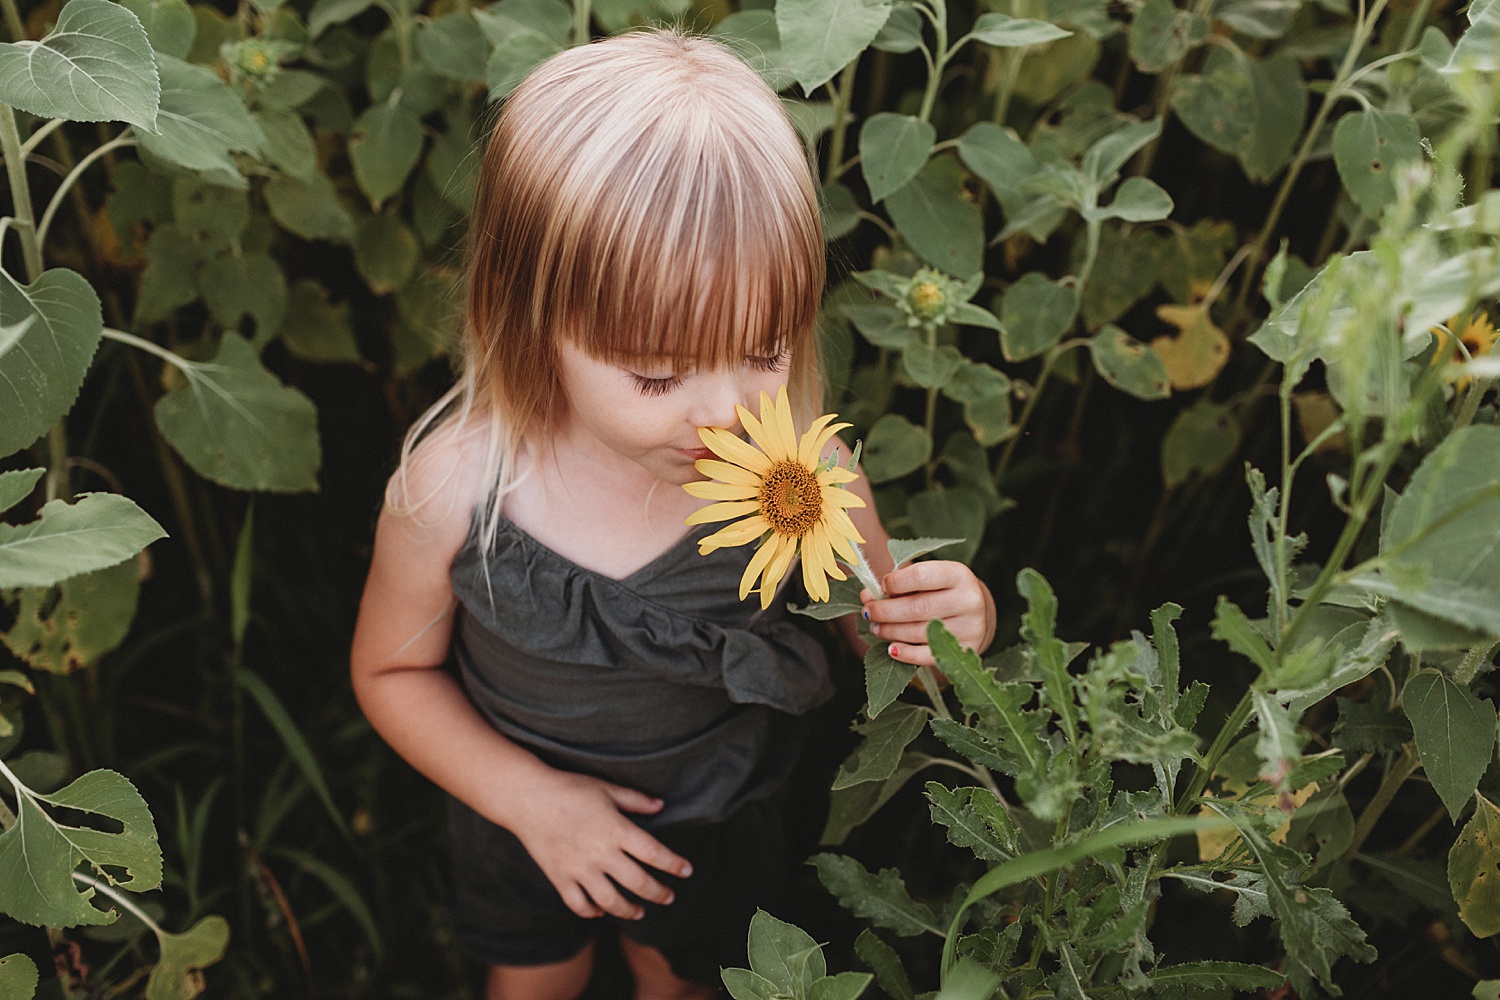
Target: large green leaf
885, 678
821, 37
1474, 870
17, 486
171, 277
753, 34
1035, 313
894, 447
39, 852
201, 120
1218, 105
939, 220
975, 819
1478, 48
385, 146
880, 898
886, 738
236, 285
1455, 735
386, 252
784, 955
1200, 441
316, 329
289, 145
1438, 542
1160, 34
169, 24
176, 975
957, 511
94, 66
1369, 146
97, 531
87, 615
236, 424
892, 148
453, 46
1003, 31
1279, 88
49, 331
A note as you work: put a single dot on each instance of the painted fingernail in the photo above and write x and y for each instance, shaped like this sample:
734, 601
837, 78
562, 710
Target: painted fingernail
687, 870
893, 651
866, 613
875, 627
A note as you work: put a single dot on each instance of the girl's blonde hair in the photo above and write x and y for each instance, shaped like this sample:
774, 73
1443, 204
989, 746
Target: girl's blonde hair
647, 197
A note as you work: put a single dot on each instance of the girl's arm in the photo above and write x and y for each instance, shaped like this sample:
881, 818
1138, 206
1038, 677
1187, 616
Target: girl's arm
571, 824
915, 594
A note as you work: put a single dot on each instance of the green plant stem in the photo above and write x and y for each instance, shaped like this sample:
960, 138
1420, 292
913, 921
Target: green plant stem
1406, 765
1013, 60
1048, 361
1362, 30
118, 142
13, 20
842, 98
582, 19
1204, 770
20, 193
939, 18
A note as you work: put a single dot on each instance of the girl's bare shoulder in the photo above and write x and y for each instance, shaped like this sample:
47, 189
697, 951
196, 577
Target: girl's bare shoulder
431, 497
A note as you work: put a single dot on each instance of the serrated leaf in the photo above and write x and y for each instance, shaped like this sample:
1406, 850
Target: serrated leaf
94, 66
170, 24
49, 331
38, 853
974, 819
886, 738
885, 678
892, 149
1367, 727
1189, 978
821, 37
1455, 735
1474, 870
17, 486
236, 424
201, 121
97, 531
879, 898
882, 958
1232, 627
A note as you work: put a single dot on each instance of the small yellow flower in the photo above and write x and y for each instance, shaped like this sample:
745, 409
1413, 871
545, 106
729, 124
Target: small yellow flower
926, 298
785, 496
1478, 339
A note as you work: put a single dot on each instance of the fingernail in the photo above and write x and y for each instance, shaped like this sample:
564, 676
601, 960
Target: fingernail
875, 627
687, 870
866, 613
669, 900
893, 651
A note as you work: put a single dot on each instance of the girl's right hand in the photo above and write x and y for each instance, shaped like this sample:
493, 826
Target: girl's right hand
578, 835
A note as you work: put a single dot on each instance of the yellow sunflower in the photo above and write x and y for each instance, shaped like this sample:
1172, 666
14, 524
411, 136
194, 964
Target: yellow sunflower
1478, 337
786, 495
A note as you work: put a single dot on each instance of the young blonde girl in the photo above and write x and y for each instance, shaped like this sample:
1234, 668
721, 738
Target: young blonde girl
538, 634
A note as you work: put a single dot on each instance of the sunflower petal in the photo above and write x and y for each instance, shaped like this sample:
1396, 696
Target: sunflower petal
843, 499
824, 551
805, 451
731, 448
812, 574
839, 524
758, 562
759, 432
813, 449
784, 428
776, 570
837, 477
726, 472
722, 511
841, 545
720, 491
738, 533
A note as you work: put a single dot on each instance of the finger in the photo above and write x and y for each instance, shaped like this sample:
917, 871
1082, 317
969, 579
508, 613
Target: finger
920, 607
917, 656
633, 877
649, 851
937, 574
630, 800
578, 901
604, 894
900, 631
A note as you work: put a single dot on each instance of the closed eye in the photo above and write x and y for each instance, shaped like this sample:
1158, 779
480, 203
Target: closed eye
649, 386
775, 363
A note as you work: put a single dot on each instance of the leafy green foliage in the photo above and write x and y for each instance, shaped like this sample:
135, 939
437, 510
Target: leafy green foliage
98, 531
1455, 734
48, 336
1474, 870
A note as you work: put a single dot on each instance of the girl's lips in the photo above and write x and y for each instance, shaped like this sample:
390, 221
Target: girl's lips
696, 454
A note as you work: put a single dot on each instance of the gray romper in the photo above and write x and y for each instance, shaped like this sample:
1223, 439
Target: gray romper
664, 681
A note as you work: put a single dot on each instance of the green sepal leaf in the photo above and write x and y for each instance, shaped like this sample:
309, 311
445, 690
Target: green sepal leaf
39, 853
236, 424
1455, 735
880, 898
49, 331
96, 65
97, 531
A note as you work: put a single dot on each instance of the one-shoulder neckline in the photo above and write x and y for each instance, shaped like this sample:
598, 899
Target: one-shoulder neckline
645, 572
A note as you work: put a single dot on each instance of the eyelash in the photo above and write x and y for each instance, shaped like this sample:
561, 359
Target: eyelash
661, 386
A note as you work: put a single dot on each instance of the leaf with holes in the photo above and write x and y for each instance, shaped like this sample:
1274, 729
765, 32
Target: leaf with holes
98, 530
39, 852
88, 615
1369, 147
1129, 365
1474, 870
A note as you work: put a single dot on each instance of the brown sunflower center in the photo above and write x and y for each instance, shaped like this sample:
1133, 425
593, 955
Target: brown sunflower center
790, 498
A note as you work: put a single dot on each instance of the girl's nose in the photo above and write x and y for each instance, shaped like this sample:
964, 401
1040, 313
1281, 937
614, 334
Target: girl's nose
715, 406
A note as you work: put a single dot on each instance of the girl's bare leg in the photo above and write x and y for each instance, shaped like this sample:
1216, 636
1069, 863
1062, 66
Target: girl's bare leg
556, 981
654, 979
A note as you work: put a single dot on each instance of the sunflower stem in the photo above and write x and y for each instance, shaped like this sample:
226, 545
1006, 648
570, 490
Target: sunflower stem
864, 573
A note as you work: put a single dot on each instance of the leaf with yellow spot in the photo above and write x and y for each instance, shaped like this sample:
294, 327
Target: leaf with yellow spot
1198, 352
1474, 870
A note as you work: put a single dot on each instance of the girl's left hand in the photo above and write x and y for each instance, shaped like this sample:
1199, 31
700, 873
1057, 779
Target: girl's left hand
919, 592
